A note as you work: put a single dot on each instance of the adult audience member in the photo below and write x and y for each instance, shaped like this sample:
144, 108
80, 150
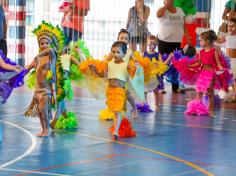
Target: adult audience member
137, 25
170, 33
230, 10
73, 18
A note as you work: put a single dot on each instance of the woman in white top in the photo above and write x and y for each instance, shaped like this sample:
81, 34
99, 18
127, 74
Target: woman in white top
170, 31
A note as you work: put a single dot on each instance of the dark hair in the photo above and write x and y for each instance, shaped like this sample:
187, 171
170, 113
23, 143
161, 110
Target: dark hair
123, 31
120, 44
233, 20
191, 51
209, 35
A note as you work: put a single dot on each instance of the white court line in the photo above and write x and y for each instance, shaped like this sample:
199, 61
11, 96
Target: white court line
33, 145
32, 172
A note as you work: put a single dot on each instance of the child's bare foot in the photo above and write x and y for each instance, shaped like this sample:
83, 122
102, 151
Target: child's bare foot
45, 133
212, 114
134, 114
40, 134
157, 109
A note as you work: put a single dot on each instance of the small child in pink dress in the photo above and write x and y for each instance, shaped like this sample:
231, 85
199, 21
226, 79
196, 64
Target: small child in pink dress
207, 80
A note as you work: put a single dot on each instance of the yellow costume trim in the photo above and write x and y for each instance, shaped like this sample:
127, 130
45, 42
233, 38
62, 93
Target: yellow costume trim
116, 99
151, 68
106, 114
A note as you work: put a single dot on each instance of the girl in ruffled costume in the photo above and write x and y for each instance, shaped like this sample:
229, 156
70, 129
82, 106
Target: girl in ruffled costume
106, 114
10, 77
51, 41
117, 74
208, 67
156, 66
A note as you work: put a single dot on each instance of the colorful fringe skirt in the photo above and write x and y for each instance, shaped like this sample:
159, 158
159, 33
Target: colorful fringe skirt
116, 99
40, 104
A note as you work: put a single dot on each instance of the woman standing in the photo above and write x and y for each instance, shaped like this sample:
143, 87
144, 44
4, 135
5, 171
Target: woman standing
170, 32
137, 25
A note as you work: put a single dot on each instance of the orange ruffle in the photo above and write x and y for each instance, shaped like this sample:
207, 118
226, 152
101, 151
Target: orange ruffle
125, 129
132, 68
116, 98
101, 66
84, 66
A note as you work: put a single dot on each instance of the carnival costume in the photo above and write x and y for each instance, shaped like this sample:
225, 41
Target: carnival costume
45, 71
202, 77
67, 71
116, 96
153, 69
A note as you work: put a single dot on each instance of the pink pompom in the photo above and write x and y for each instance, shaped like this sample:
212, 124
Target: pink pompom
196, 107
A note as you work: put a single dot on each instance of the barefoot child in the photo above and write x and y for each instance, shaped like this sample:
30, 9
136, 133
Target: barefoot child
152, 54
50, 40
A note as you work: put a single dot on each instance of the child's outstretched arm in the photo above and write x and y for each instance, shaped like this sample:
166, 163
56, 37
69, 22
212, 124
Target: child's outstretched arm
45, 52
197, 63
160, 58
74, 60
9, 67
30, 66
128, 55
94, 69
171, 55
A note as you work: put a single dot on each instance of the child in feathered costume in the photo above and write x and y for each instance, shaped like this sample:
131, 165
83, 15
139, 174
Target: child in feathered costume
69, 70
51, 41
10, 77
209, 71
117, 74
106, 114
154, 67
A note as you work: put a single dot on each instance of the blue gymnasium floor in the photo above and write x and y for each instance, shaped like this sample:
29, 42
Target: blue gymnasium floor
167, 143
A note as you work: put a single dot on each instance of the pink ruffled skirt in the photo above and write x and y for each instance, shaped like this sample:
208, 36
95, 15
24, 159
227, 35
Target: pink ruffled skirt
205, 79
